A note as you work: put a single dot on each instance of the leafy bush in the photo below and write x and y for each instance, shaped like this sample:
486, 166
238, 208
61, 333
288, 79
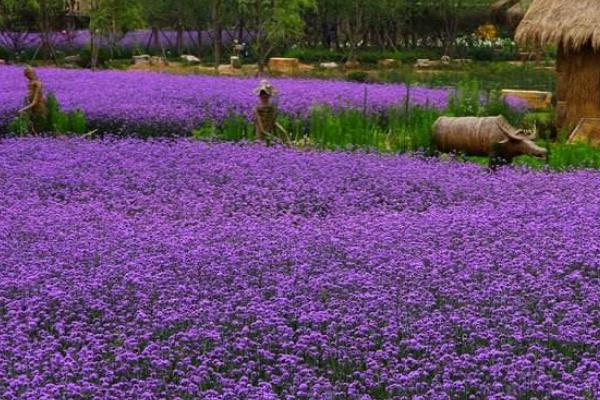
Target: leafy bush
4, 53
479, 49
357, 76
543, 122
78, 123
365, 56
315, 55
105, 56
469, 100
19, 126
564, 157
85, 57
57, 121
61, 122
505, 75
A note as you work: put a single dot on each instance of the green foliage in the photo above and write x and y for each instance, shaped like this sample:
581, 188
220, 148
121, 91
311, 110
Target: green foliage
357, 29
391, 131
77, 122
469, 100
542, 122
235, 128
55, 118
105, 56
19, 126
114, 17
364, 30
372, 56
314, 55
505, 75
357, 76
57, 121
466, 101
277, 23
564, 157
17, 15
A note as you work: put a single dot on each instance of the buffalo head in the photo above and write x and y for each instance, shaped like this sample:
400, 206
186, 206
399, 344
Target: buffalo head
518, 142
515, 143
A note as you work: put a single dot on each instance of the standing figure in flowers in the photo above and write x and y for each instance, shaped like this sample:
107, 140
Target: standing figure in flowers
265, 114
36, 110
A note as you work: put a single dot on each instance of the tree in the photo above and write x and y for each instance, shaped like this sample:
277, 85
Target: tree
48, 17
459, 16
216, 8
275, 23
16, 18
112, 19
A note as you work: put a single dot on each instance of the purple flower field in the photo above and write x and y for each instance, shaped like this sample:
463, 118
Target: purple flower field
181, 103
137, 39
181, 270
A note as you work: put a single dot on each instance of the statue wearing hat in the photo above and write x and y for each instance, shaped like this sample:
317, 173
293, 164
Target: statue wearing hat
36, 110
265, 113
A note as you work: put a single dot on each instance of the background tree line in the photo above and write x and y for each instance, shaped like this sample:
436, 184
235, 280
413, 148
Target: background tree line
270, 26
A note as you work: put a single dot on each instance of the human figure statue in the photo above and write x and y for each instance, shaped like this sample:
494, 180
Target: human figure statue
265, 113
238, 49
36, 110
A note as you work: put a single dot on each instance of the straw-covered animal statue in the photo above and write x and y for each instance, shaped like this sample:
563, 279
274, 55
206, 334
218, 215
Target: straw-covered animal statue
489, 136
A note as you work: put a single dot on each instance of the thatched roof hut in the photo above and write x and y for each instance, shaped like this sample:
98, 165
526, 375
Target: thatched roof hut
574, 27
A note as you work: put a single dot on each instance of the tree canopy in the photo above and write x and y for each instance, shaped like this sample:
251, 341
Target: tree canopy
345, 25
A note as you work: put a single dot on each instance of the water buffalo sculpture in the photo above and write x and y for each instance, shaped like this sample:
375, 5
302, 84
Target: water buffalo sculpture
489, 136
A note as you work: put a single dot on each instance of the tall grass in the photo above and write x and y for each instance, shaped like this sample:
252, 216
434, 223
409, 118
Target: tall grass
469, 99
564, 156
403, 129
489, 76
56, 121
398, 129
392, 131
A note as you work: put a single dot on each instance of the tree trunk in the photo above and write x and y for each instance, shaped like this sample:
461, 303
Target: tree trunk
93, 50
241, 27
199, 40
217, 29
154, 40
46, 30
326, 38
179, 40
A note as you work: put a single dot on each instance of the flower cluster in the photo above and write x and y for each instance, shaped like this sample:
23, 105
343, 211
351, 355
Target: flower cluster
184, 102
181, 270
480, 40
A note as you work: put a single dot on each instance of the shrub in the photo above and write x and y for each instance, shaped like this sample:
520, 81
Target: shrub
469, 100
357, 76
57, 120
19, 125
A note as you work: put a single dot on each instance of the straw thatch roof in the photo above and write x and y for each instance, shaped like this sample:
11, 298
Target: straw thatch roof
573, 23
